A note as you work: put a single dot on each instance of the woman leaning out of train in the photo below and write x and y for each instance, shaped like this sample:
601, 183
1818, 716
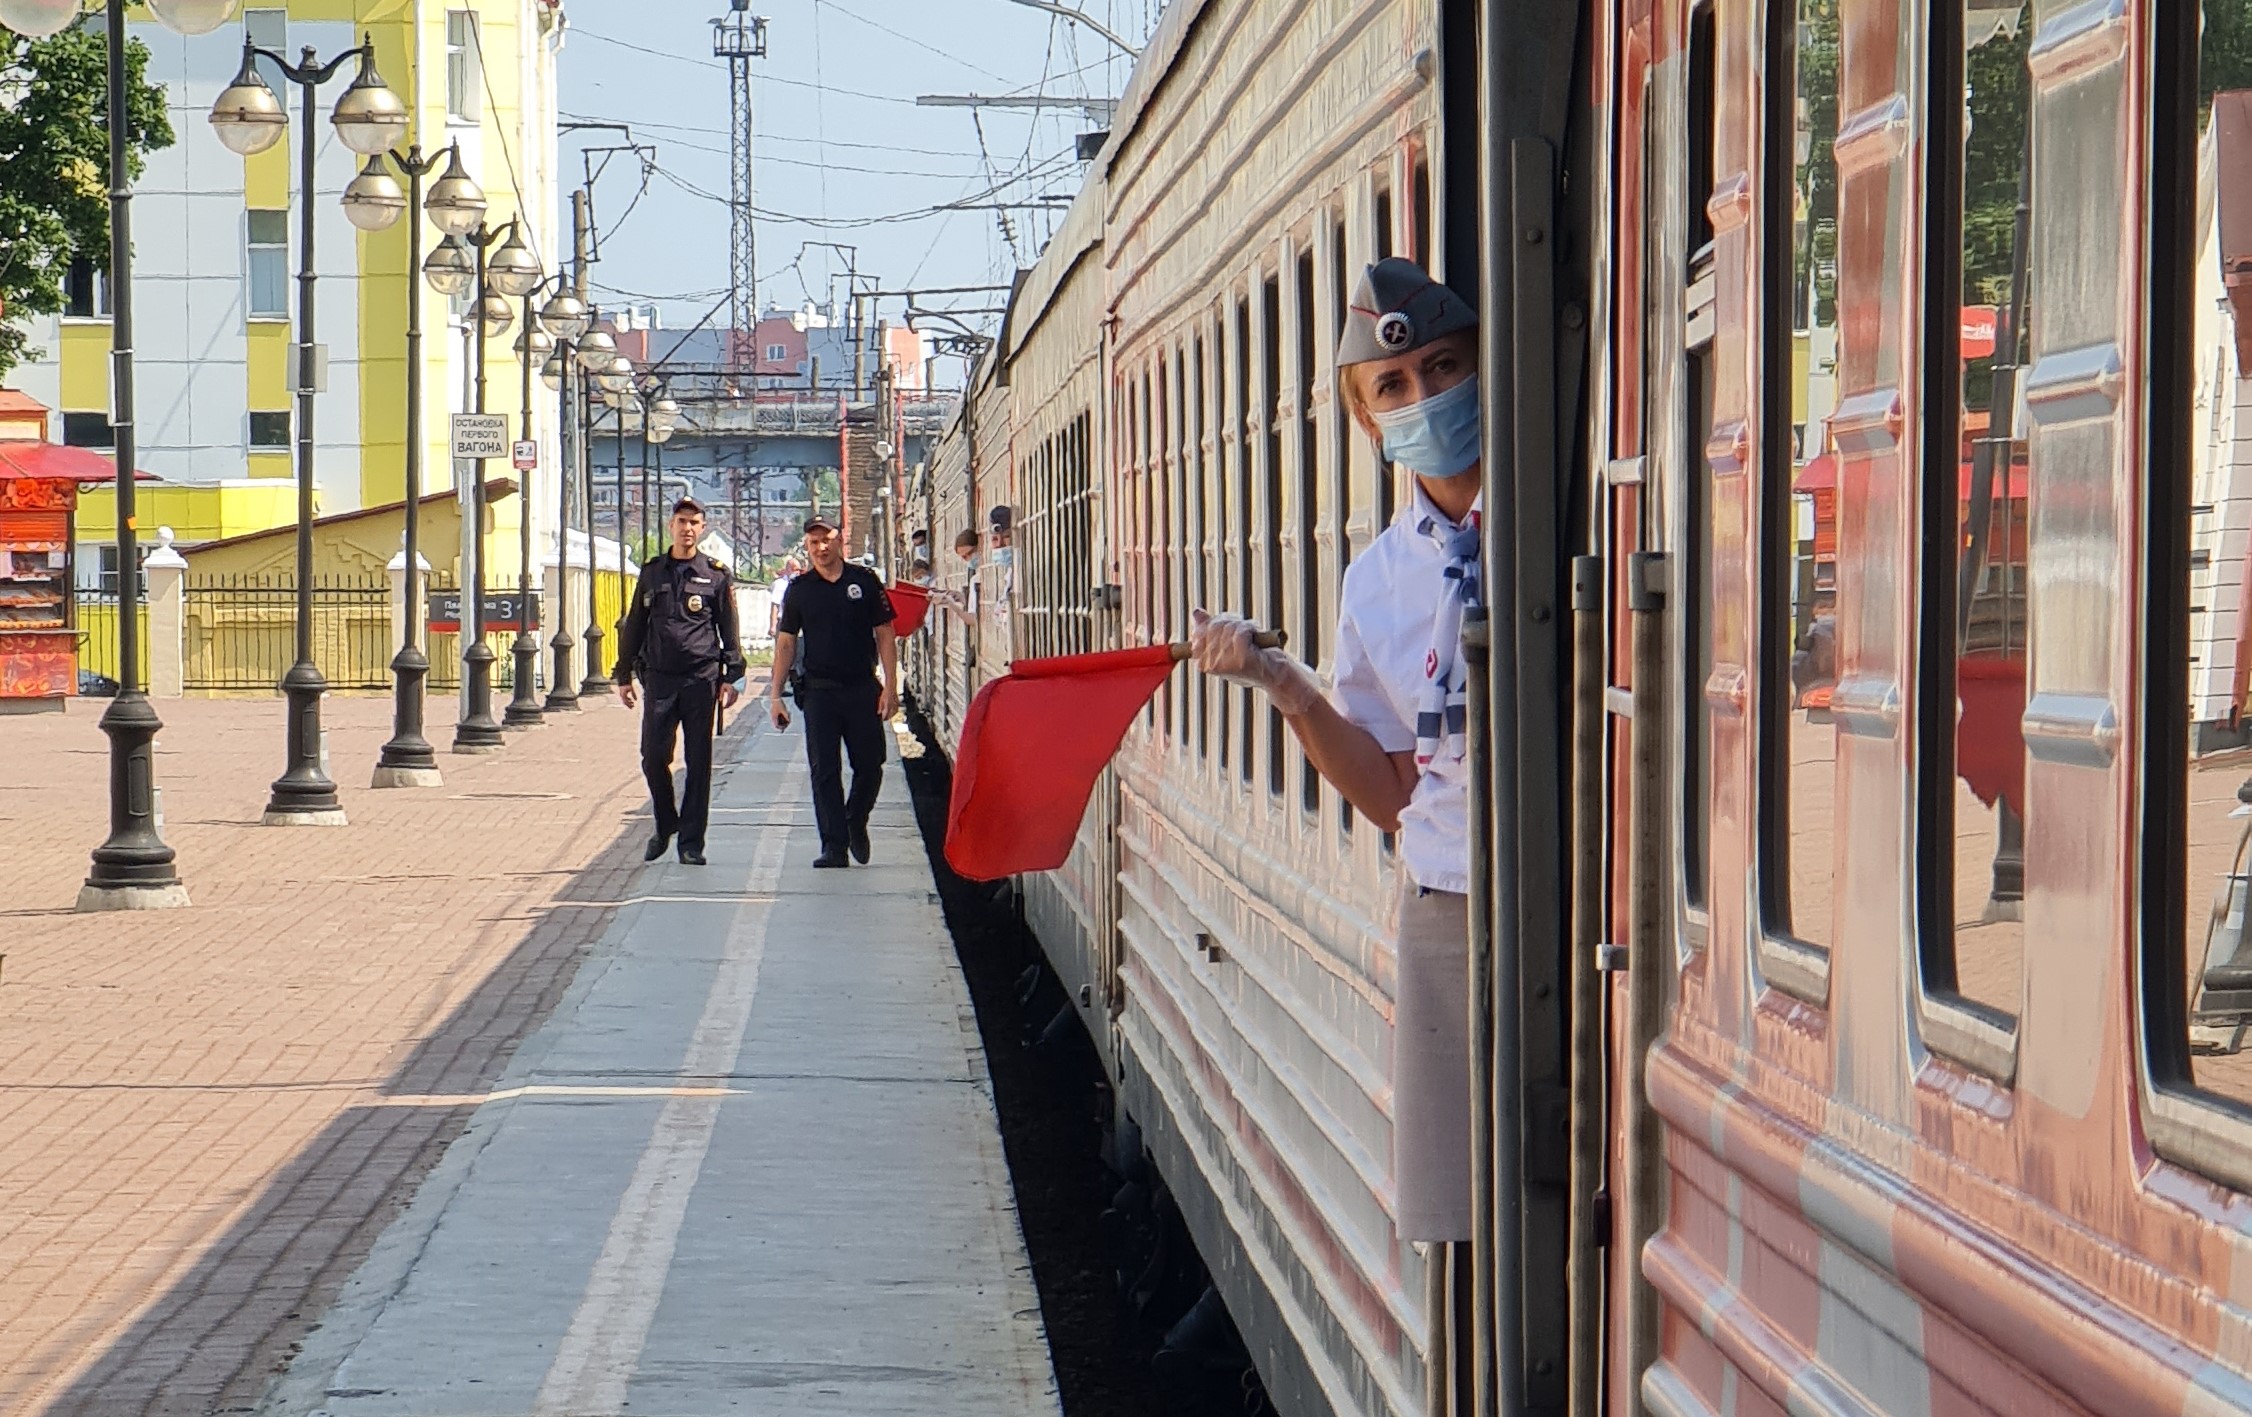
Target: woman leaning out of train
1390, 733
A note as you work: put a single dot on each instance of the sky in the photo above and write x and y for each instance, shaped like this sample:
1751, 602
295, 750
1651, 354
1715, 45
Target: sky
842, 154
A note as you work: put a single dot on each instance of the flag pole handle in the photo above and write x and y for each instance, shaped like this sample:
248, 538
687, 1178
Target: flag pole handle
1264, 639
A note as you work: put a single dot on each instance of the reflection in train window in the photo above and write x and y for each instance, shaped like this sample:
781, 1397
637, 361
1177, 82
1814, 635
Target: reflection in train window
1984, 868
1801, 501
2216, 399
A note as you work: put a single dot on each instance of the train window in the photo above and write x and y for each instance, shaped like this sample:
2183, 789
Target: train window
1199, 531
1385, 490
1177, 530
1147, 467
1310, 505
1696, 502
1270, 535
1799, 501
2199, 993
1976, 490
1340, 470
1423, 215
1239, 426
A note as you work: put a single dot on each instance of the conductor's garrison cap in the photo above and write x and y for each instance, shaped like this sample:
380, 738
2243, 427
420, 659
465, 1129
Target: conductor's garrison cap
1397, 307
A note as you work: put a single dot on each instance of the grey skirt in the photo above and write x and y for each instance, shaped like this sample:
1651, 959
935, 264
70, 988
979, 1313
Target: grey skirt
1431, 1065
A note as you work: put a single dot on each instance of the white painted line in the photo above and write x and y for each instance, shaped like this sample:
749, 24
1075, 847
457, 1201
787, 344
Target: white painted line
600, 1353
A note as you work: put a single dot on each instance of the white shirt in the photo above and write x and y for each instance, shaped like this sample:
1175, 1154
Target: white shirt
1384, 619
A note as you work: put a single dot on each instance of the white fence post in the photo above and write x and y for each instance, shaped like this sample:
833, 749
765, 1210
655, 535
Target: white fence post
167, 597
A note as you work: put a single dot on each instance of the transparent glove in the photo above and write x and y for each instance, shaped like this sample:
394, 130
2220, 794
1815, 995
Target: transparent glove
1222, 646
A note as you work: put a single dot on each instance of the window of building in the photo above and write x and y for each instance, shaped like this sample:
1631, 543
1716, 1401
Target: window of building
464, 94
85, 290
106, 584
776, 353
88, 430
269, 432
269, 29
269, 265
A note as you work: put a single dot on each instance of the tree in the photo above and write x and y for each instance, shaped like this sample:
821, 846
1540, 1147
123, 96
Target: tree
54, 148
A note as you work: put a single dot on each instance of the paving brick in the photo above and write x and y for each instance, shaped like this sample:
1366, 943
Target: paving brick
194, 1143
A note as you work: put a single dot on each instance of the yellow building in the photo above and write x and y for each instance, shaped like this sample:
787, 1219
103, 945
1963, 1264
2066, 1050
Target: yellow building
217, 252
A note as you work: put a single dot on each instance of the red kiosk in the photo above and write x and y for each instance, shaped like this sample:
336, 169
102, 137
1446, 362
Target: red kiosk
39, 484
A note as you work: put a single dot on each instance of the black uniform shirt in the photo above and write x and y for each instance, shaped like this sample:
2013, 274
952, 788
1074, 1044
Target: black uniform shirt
682, 624
835, 622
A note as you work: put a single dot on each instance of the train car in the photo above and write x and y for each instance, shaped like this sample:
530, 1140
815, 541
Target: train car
1862, 973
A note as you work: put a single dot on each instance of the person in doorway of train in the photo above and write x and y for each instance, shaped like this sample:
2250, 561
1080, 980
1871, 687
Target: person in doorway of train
836, 624
1390, 735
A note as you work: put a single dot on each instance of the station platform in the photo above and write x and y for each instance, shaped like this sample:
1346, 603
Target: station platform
749, 1165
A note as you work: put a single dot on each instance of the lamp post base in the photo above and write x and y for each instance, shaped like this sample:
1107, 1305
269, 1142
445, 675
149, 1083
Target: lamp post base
304, 795
565, 695
92, 898
524, 704
479, 731
408, 759
132, 870
596, 684
407, 777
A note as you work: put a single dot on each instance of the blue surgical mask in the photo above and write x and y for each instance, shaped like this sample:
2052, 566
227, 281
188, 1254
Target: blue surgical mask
1438, 437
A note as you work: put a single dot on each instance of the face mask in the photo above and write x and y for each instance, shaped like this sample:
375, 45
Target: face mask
1438, 437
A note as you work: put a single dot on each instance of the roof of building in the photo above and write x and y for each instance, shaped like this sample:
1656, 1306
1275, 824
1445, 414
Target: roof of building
494, 486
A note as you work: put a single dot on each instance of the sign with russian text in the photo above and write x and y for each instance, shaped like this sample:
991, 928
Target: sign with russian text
500, 612
480, 435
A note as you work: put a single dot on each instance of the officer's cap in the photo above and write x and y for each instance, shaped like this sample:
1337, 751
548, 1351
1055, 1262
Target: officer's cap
1398, 307
688, 504
819, 522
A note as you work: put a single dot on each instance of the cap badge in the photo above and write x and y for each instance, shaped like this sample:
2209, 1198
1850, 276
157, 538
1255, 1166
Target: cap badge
1393, 331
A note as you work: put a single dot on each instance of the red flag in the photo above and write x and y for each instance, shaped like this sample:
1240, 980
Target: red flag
1032, 745
909, 604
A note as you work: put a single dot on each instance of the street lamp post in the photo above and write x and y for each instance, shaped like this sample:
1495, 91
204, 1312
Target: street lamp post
496, 275
524, 710
592, 351
408, 760
249, 119
132, 868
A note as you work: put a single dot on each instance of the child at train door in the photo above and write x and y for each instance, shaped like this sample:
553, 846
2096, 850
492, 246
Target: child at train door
1389, 736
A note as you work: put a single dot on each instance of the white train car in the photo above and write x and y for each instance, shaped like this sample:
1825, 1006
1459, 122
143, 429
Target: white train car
1169, 438
1263, 155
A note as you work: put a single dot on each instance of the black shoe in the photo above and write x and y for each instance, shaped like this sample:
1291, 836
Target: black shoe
691, 856
656, 846
860, 842
828, 859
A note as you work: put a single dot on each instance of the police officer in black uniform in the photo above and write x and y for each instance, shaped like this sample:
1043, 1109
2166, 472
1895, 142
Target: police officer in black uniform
681, 636
836, 627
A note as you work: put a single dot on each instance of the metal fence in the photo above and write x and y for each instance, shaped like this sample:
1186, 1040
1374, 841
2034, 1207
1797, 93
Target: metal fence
241, 632
98, 639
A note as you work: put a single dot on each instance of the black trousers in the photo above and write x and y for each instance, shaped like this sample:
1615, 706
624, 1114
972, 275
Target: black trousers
842, 715
685, 706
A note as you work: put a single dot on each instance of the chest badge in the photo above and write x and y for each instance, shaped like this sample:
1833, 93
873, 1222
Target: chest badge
695, 605
852, 592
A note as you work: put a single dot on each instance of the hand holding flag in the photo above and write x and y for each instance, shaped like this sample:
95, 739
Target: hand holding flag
1035, 740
